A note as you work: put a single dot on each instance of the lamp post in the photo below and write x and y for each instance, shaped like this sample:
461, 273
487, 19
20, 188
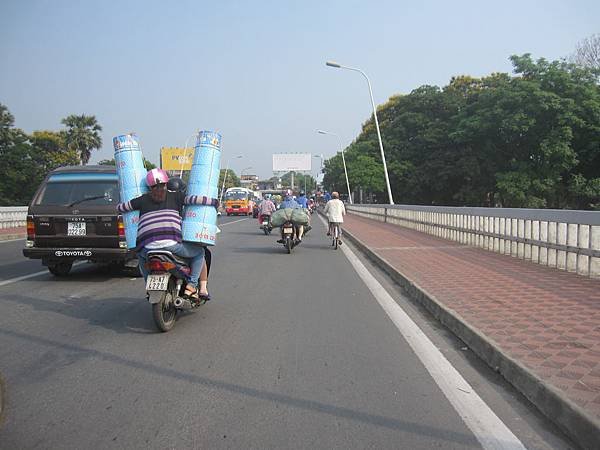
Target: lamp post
387, 179
225, 177
184, 149
343, 161
322, 157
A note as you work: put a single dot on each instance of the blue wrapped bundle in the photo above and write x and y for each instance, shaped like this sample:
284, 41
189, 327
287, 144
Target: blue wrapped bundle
200, 222
132, 179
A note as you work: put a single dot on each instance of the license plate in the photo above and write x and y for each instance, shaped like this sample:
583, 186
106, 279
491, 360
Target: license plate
288, 230
75, 228
157, 282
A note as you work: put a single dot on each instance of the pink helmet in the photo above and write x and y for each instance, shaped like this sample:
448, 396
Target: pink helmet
156, 176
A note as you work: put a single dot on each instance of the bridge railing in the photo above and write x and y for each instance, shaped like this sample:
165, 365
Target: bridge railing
565, 239
13, 216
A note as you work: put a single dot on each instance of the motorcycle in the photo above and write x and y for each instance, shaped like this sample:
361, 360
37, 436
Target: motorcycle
266, 224
167, 278
288, 231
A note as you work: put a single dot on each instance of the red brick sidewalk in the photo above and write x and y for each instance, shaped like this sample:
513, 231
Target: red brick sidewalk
12, 233
546, 319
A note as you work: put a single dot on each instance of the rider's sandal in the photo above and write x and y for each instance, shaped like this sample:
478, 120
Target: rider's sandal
204, 297
191, 293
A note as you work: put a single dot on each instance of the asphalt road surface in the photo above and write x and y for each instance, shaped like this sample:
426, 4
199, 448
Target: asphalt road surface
294, 351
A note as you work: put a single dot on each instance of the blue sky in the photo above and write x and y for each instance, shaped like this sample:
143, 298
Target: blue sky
255, 71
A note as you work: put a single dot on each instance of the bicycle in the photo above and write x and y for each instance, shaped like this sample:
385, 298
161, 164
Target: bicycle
336, 232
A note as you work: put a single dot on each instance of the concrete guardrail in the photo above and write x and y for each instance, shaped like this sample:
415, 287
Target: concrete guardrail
565, 239
13, 216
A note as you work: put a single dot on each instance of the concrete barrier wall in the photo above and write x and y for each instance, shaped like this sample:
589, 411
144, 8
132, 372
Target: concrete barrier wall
13, 216
565, 239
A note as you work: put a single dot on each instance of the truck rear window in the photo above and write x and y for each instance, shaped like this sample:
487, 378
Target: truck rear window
70, 191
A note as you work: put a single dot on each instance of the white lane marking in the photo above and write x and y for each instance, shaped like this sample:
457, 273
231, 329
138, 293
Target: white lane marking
229, 223
4, 241
489, 430
31, 275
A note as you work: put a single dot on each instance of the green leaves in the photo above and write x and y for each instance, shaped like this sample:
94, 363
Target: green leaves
527, 140
82, 135
26, 159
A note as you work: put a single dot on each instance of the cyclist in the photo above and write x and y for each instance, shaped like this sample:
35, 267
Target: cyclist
335, 212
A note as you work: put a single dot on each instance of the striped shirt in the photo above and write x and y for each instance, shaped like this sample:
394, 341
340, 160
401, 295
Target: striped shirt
161, 221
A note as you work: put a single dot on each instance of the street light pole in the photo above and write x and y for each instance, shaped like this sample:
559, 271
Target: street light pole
343, 161
184, 149
387, 179
225, 177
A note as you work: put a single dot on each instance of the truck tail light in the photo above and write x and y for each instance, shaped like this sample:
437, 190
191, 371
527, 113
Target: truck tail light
121, 227
30, 229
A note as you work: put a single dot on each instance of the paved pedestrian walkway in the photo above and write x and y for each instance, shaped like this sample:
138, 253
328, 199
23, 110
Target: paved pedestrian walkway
546, 320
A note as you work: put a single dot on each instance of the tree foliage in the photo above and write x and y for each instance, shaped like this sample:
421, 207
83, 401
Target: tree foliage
27, 159
232, 179
587, 52
82, 135
111, 162
527, 140
300, 181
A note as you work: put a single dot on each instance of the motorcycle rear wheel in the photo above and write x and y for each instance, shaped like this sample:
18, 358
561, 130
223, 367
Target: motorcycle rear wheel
288, 245
164, 316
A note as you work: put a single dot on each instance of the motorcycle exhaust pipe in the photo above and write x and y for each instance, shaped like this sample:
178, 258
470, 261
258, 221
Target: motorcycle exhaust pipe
182, 303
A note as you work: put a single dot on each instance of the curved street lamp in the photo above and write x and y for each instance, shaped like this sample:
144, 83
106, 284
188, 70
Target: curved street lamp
343, 160
387, 179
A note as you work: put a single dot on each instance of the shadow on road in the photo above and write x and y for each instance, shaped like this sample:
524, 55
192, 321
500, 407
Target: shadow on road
304, 404
122, 315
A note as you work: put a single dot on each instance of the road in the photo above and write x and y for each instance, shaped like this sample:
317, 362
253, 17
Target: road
294, 351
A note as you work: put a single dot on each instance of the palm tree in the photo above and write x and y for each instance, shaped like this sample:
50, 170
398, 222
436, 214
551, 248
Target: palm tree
82, 135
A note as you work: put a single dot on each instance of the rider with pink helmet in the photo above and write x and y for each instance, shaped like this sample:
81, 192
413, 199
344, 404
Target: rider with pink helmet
160, 225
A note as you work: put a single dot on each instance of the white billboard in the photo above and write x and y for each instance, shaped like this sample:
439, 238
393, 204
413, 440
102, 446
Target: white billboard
286, 162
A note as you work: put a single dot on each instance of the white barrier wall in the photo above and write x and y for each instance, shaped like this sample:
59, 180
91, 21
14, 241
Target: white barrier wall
565, 239
13, 216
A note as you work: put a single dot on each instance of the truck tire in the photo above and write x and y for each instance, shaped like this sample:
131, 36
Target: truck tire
60, 269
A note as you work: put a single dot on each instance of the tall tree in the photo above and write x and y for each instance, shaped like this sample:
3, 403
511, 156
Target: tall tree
82, 135
587, 52
231, 181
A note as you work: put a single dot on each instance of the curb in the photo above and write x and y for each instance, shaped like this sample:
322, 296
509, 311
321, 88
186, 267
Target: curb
575, 422
9, 237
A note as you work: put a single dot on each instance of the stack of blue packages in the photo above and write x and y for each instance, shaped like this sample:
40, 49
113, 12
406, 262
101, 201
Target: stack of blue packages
200, 222
132, 179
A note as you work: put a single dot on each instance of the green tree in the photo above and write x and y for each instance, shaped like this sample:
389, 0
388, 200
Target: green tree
82, 135
231, 181
300, 181
111, 162
17, 171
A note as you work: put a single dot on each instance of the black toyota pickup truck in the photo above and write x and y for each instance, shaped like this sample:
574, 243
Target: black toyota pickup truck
73, 216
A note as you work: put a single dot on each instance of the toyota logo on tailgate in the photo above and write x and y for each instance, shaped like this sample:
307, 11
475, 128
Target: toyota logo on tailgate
73, 253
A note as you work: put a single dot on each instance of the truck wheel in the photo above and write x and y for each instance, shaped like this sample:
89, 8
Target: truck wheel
60, 269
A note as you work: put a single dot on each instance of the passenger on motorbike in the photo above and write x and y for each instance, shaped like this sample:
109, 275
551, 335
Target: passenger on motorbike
176, 184
160, 225
302, 200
